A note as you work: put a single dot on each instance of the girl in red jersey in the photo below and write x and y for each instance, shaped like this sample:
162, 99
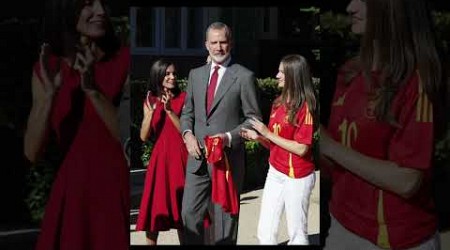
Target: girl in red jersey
378, 144
289, 136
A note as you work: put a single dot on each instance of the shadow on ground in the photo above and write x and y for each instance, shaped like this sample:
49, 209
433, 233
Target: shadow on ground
314, 240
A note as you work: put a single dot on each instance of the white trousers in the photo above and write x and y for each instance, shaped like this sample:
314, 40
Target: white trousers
339, 238
282, 192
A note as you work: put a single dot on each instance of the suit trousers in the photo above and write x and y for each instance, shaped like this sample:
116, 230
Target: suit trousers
292, 195
197, 202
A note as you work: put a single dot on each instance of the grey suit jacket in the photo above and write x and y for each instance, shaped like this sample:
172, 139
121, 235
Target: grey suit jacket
235, 102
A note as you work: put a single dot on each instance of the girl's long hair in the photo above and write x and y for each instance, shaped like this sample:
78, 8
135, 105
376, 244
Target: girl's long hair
398, 38
298, 87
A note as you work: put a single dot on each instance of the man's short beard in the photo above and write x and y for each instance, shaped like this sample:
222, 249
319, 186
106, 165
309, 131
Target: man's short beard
220, 59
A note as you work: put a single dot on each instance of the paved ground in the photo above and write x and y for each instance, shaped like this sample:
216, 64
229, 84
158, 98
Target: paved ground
248, 219
24, 237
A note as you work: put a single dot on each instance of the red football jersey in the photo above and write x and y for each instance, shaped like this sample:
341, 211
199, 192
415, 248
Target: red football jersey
284, 161
382, 217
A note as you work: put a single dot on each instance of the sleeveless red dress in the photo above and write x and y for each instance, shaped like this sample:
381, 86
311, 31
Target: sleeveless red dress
160, 208
88, 207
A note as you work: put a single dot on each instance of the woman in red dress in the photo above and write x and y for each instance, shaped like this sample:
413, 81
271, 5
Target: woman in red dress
77, 85
160, 208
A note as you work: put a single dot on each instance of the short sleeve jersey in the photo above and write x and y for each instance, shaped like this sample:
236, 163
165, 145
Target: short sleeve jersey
293, 165
377, 215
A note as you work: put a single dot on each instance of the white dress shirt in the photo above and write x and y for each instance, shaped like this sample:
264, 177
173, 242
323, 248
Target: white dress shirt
222, 69
221, 72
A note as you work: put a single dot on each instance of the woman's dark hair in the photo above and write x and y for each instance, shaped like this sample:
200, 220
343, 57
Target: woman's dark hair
298, 87
157, 74
400, 39
59, 28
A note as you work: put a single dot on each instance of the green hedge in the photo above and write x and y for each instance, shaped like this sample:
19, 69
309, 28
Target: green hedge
40, 179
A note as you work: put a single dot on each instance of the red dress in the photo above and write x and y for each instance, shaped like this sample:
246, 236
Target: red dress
88, 207
160, 208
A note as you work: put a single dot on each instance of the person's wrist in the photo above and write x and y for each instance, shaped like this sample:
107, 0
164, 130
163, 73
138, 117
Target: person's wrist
49, 95
225, 140
148, 114
91, 92
187, 135
268, 136
333, 148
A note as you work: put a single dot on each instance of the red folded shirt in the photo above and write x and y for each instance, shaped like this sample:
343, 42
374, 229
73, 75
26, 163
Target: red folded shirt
223, 189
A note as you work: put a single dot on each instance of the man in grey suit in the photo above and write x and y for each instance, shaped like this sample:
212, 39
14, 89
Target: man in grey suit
221, 98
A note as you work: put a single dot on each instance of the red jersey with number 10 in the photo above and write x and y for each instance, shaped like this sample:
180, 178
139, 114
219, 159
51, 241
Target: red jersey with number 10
284, 161
382, 217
